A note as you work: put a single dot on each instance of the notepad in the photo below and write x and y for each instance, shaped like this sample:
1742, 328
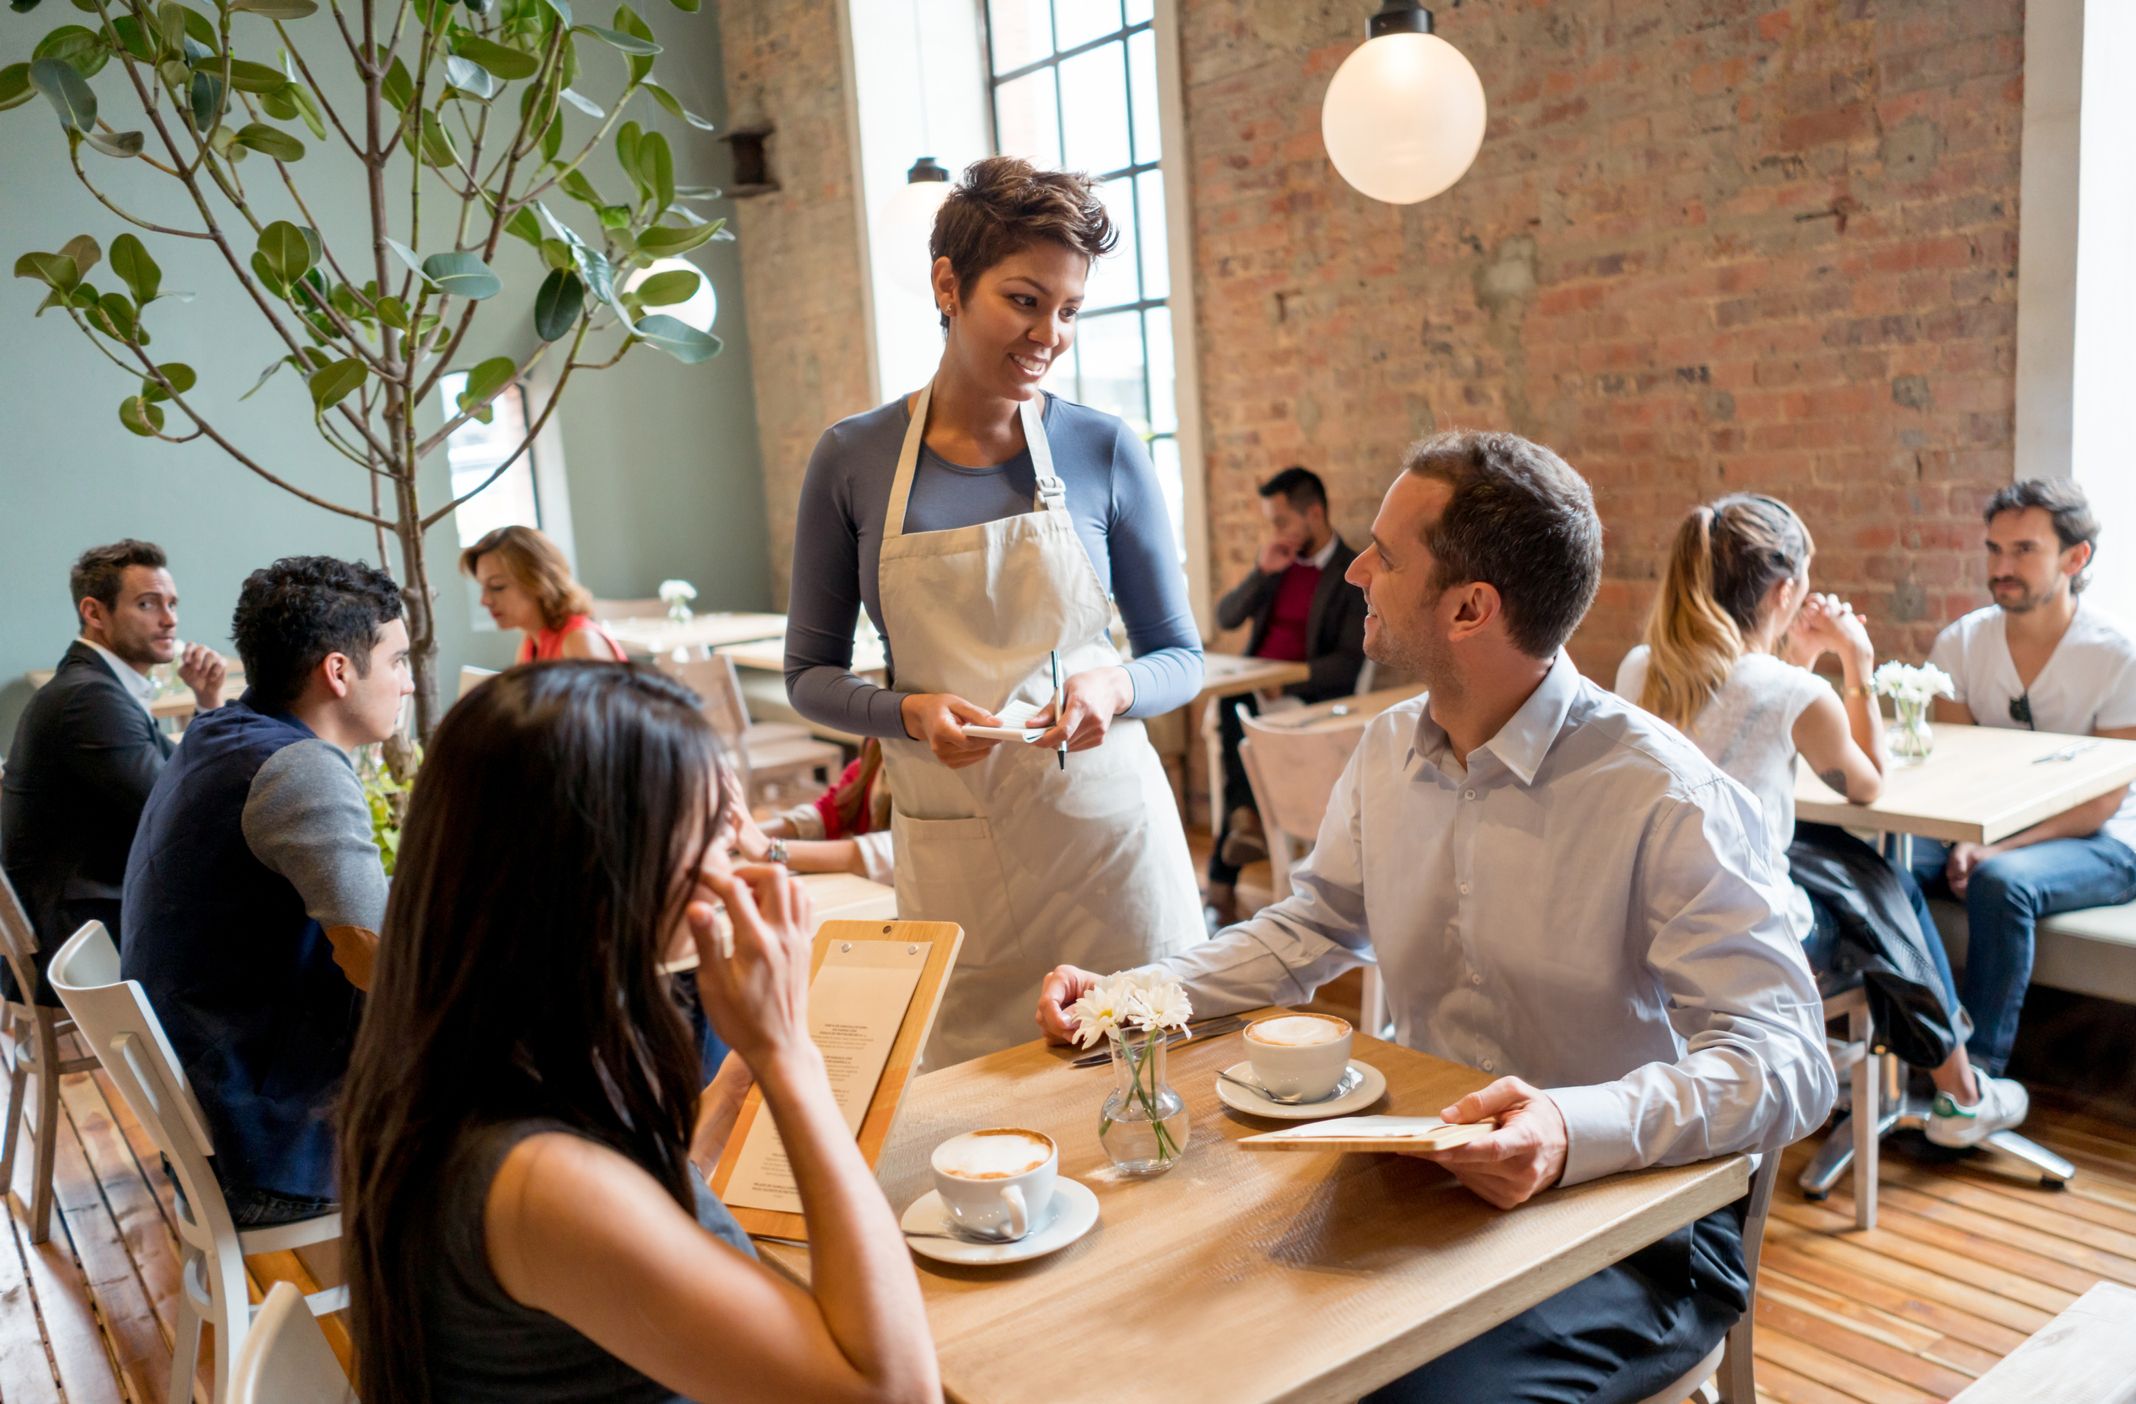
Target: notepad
1012, 726
1371, 1133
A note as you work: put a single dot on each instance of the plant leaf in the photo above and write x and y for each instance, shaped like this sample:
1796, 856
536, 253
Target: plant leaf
83, 49
663, 241
674, 105
486, 379
277, 9
627, 138
523, 225
67, 91
501, 59
85, 252
679, 339
55, 271
584, 104
134, 39
113, 315
141, 417
392, 313
410, 257
284, 248
249, 77
559, 304
178, 373
397, 88
579, 188
561, 9
437, 144
15, 88
616, 39
270, 141
467, 76
688, 7
666, 289
641, 63
266, 375
657, 164
130, 260
206, 98
119, 144
329, 387
308, 110
462, 275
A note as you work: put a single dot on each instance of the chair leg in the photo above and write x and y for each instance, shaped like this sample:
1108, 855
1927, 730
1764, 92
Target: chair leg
1738, 1374
233, 1316
47, 1122
1867, 1118
185, 1333
18, 1075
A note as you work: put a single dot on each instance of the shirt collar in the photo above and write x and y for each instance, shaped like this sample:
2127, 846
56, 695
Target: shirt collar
1320, 558
136, 682
1526, 738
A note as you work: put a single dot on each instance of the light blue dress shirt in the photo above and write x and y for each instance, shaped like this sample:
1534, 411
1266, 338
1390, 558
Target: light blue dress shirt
1589, 905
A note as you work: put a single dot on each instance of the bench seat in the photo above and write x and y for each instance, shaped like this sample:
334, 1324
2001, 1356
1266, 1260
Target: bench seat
2092, 951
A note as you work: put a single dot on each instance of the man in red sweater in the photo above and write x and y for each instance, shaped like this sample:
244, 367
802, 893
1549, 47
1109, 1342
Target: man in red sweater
1301, 612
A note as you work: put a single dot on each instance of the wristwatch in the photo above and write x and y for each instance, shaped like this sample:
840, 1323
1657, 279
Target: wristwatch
777, 852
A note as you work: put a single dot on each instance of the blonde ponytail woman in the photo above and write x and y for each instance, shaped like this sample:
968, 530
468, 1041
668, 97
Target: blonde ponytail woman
1727, 661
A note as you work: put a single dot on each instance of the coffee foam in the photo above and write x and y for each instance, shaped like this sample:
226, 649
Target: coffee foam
1297, 1030
992, 1155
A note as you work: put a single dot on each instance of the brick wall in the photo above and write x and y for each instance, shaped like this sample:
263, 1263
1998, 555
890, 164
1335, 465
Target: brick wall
1708, 245
802, 266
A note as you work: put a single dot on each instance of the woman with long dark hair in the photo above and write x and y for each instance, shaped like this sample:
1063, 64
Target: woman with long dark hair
524, 1137
1726, 661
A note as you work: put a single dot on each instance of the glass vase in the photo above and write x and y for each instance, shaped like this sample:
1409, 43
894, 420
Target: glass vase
679, 611
1144, 1124
1909, 735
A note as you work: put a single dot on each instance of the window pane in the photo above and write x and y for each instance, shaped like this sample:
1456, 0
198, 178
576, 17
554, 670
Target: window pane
1110, 349
1094, 100
1030, 123
1080, 21
1164, 409
1060, 377
1142, 73
1164, 456
1141, 11
1021, 32
1112, 278
472, 453
1156, 254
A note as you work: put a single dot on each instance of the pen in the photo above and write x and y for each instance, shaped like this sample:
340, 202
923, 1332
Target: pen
1061, 752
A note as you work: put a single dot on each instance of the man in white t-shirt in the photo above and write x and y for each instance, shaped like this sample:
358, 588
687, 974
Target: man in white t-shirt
2042, 658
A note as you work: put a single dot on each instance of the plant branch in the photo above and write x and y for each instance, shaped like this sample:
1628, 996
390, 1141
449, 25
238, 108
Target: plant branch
615, 114
445, 430
533, 432
317, 91
74, 154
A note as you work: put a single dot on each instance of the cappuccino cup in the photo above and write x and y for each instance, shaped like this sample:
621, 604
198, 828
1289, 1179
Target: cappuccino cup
1301, 1056
996, 1184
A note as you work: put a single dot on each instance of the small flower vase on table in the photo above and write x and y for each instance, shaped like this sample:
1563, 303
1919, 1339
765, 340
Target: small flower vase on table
677, 594
1911, 690
1143, 1124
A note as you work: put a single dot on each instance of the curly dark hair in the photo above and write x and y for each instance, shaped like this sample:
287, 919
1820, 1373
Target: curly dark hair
1004, 205
292, 614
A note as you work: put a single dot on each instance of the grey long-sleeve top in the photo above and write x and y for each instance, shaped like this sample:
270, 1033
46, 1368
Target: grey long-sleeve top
1113, 497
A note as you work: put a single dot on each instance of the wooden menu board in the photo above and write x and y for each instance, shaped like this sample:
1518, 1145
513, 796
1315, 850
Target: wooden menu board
874, 987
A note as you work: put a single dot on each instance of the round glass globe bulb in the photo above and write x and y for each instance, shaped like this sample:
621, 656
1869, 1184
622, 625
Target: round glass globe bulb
699, 310
907, 224
1403, 117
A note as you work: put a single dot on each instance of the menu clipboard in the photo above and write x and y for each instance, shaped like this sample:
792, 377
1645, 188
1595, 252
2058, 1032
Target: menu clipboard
874, 987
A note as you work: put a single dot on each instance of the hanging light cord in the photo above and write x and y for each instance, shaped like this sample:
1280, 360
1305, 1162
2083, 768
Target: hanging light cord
919, 50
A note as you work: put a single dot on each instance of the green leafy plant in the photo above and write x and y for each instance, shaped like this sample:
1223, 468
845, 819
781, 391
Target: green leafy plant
388, 775
467, 127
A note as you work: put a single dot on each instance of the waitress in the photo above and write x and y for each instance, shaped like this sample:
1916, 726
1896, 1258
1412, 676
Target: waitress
984, 524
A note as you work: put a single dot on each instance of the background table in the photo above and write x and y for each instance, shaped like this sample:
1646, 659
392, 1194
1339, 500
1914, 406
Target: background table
658, 636
1242, 1275
1227, 675
175, 703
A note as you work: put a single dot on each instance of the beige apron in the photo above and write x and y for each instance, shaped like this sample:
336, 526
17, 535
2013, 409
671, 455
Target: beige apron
1041, 866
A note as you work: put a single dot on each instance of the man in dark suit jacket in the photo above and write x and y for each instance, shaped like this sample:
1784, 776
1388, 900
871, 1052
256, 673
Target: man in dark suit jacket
87, 752
1302, 611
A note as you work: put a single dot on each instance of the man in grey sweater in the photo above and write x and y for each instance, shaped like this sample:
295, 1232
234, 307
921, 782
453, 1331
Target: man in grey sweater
254, 892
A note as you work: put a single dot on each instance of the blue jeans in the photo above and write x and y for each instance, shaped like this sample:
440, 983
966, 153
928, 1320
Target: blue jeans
2004, 901
258, 1208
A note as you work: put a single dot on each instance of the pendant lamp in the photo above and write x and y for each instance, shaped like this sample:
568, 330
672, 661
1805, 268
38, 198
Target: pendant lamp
1404, 115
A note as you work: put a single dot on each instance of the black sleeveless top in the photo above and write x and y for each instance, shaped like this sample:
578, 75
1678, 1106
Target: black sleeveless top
485, 1348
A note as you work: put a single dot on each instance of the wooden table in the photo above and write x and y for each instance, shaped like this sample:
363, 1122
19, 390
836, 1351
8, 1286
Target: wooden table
656, 637
1240, 1275
1340, 713
176, 703
1226, 675
1980, 784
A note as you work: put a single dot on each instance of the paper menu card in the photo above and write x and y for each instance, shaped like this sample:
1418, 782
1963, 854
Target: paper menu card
1371, 1133
874, 988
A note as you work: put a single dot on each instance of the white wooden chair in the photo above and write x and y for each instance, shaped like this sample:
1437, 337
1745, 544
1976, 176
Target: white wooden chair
114, 1018
286, 1359
1292, 773
33, 1052
1727, 1374
768, 754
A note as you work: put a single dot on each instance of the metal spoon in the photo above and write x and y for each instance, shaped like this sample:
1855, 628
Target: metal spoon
1343, 1087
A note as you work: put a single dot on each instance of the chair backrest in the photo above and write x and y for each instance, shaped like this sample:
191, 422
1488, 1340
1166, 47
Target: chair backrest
1294, 772
285, 1358
714, 681
114, 1018
18, 939
630, 609
472, 678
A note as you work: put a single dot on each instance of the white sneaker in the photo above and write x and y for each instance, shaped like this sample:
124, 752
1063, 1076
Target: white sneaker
2002, 1105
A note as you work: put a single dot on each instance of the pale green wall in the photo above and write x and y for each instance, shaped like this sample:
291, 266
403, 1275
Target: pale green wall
662, 458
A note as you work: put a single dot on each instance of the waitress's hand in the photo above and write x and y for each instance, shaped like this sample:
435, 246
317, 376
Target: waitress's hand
1089, 702
938, 718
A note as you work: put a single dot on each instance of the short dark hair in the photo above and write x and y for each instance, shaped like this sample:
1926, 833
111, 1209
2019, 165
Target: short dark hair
1004, 205
1520, 520
99, 570
2061, 499
294, 613
1300, 486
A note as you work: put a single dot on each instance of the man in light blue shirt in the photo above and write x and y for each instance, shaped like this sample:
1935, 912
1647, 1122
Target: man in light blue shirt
1558, 889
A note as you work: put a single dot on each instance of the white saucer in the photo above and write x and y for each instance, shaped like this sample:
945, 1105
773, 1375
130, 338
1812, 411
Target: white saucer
1370, 1088
1074, 1213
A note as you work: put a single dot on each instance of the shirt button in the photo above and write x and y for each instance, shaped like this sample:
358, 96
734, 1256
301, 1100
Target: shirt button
1464, 889
1489, 1066
1474, 978
1468, 794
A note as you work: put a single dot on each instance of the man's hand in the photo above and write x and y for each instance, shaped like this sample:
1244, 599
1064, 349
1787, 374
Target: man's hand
1275, 557
1056, 994
1525, 1154
1964, 860
203, 670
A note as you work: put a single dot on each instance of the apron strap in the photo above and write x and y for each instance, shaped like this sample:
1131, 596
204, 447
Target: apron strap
908, 461
1052, 492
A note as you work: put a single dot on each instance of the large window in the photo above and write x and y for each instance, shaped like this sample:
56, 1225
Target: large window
1074, 86
472, 453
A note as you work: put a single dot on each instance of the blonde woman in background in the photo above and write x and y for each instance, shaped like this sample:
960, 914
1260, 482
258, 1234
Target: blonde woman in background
526, 584
1726, 661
